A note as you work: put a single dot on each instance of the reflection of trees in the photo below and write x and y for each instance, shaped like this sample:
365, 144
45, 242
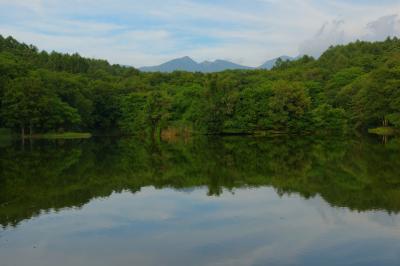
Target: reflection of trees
361, 175
33, 179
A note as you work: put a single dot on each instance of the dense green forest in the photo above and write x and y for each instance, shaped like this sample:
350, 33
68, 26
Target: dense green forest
350, 87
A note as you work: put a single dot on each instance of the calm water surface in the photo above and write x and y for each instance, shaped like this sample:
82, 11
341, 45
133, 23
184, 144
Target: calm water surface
225, 201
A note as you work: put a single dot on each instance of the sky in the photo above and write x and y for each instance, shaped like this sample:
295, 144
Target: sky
249, 32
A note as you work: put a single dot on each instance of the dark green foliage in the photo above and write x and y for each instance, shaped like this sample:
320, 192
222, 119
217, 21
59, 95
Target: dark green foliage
27, 103
327, 119
354, 86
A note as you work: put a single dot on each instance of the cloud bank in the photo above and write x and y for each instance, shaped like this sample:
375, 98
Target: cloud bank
336, 32
135, 32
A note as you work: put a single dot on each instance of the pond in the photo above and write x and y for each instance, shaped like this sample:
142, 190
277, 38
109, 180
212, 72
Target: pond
201, 201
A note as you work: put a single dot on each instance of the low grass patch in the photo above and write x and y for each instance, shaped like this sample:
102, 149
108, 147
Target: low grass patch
5, 132
6, 137
66, 135
383, 131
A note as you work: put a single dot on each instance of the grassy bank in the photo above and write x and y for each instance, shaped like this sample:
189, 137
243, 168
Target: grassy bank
6, 137
5, 132
384, 131
66, 135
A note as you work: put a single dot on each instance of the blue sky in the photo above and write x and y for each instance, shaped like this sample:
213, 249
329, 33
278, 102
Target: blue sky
150, 32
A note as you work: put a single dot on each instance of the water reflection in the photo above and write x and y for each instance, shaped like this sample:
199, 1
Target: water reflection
358, 174
203, 201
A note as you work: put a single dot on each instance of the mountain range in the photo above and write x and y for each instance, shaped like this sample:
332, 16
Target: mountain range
188, 64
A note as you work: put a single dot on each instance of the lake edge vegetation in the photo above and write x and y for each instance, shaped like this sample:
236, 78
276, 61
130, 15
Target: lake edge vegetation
352, 87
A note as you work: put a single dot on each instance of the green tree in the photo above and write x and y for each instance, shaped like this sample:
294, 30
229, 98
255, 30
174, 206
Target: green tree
325, 119
133, 114
19, 103
157, 111
28, 104
288, 106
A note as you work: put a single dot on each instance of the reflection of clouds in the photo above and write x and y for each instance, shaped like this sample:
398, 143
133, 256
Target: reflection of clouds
154, 227
391, 221
337, 216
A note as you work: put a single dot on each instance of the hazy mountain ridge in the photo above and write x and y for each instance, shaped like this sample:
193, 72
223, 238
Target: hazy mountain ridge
188, 64
271, 63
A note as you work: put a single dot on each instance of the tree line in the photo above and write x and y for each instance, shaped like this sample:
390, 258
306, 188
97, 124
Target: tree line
350, 87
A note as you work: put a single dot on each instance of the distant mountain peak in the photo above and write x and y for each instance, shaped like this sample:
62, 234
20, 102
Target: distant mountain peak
188, 64
271, 63
188, 58
207, 62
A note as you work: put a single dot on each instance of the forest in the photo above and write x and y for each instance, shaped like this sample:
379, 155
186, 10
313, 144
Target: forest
350, 88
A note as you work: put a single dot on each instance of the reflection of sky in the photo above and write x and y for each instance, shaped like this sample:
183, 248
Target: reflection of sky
166, 227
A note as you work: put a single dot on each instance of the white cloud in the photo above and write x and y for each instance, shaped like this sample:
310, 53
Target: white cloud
340, 32
329, 34
30, 4
384, 27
